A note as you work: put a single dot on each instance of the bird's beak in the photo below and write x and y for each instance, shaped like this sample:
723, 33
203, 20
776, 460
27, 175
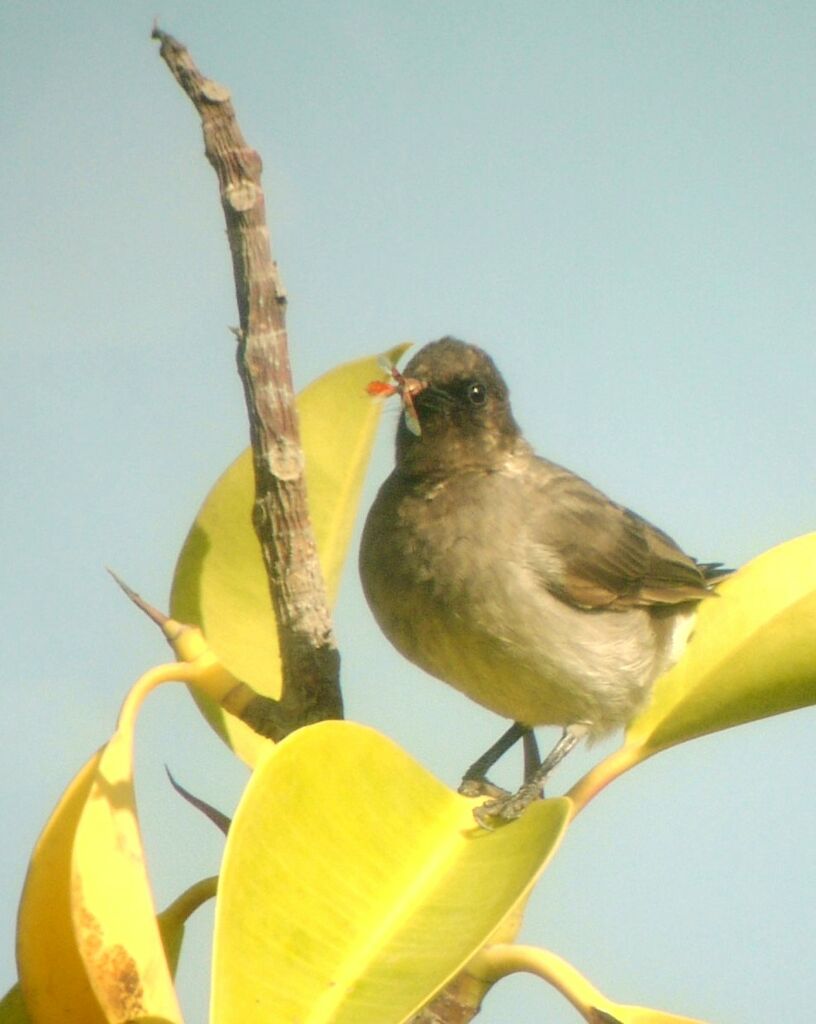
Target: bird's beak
407, 388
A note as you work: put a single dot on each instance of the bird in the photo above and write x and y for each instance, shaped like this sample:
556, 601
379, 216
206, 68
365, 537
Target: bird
513, 579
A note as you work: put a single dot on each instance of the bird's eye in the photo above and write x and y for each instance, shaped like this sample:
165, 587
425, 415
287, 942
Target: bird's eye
477, 393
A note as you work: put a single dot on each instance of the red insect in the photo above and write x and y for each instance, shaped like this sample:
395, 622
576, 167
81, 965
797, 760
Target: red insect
405, 387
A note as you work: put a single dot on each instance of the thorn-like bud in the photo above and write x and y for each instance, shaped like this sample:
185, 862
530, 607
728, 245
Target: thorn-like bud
152, 613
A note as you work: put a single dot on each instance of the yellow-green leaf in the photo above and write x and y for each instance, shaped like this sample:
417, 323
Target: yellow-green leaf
354, 884
53, 981
112, 908
114, 917
753, 653
12, 1007
88, 943
220, 582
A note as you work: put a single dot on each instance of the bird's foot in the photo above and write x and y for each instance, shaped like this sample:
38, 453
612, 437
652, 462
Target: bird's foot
483, 787
508, 807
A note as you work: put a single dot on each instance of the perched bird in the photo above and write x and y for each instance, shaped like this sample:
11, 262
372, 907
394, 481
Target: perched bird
511, 578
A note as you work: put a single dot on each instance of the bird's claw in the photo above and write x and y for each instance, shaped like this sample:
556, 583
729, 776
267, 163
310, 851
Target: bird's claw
482, 787
508, 807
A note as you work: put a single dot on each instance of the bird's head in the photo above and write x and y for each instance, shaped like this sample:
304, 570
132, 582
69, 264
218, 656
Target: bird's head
462, 407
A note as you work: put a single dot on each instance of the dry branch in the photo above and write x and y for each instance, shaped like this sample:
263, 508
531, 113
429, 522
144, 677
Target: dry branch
309, 657
310, 662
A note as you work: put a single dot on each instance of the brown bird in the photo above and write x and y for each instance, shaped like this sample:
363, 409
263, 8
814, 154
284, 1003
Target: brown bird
511, 578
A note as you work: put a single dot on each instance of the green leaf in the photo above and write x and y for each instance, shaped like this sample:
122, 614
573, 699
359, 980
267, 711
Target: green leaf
354, 884
753, 653
12, 1007
220, 582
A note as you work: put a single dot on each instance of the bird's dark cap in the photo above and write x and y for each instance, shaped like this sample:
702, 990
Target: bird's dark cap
449, 358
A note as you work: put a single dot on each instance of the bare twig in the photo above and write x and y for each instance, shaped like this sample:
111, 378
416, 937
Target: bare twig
310, 662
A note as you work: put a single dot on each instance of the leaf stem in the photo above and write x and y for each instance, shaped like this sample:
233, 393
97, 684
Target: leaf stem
496, 962
606, 771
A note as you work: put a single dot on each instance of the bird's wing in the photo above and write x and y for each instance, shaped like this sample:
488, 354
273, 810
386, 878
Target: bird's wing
594, 553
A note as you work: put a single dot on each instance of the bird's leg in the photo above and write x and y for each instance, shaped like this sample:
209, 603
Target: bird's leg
569, 737
474, 781
509, 808
532, 758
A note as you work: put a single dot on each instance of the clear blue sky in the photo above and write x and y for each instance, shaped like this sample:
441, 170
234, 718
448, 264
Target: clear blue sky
616, 200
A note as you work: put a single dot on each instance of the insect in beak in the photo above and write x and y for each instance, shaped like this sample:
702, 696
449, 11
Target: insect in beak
405, 387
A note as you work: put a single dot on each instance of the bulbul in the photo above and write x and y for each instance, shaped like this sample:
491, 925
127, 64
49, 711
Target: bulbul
511, 578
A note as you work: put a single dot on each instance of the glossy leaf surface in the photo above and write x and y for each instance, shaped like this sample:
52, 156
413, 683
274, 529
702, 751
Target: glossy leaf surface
354, 884
753, 652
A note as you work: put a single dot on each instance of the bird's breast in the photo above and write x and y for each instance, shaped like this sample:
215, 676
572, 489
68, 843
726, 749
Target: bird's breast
447, 573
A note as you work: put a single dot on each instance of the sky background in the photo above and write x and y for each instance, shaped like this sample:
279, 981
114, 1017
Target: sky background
617, 201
